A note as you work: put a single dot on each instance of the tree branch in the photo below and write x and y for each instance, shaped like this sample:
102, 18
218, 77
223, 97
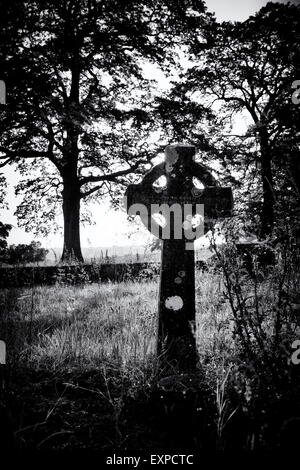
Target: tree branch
22, 153
14, 155
8, 160
111, 176
91, 191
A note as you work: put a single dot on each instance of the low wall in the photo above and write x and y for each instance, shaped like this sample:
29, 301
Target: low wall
26, 276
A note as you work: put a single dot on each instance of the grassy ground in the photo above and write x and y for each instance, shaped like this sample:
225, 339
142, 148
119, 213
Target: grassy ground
81, 368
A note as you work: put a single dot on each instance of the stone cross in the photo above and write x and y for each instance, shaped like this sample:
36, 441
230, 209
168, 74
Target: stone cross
181, 205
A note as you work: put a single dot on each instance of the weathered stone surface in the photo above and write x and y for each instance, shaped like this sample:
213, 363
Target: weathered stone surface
176, 331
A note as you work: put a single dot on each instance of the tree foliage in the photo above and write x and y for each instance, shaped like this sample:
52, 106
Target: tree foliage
22, 253
4, 233
77, 119
84, 116
245, 71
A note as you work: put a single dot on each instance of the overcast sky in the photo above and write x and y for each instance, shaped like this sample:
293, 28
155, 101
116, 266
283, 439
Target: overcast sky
238, 10
116, 229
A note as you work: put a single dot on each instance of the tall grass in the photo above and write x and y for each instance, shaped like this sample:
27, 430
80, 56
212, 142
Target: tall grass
70, 331
63, 327
84, 326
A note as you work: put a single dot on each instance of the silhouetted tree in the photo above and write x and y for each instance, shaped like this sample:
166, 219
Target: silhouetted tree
246, 69
22, 253
78, 103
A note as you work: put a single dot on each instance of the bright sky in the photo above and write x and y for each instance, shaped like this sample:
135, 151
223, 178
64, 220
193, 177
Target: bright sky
238, 10
116, 230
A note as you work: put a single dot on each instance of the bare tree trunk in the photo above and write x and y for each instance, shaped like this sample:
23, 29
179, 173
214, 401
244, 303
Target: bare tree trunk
71, 191
71, 212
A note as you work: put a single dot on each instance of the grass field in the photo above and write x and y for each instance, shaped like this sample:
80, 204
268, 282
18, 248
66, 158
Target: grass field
82, 364
71, 326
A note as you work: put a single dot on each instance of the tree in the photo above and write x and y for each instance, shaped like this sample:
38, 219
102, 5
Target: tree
20, 254
247, 69
77, 105
4, 233
4, 228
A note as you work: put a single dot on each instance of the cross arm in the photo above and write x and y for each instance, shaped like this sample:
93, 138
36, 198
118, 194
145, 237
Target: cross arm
218, 202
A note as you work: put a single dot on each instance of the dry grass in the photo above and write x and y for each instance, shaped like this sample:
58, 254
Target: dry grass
65, 327
62, 327
76, 355
85, 350
214, 319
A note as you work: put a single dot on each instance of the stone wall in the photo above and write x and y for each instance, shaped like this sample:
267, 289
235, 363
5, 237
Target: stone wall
26, 276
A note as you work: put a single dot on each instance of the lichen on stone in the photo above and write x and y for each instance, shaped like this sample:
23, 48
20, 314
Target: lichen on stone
174, 303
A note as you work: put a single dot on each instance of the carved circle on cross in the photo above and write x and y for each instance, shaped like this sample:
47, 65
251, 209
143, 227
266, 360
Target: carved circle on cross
179, 201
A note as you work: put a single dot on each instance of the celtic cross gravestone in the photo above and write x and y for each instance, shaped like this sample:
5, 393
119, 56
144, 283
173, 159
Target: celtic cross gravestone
186, 211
